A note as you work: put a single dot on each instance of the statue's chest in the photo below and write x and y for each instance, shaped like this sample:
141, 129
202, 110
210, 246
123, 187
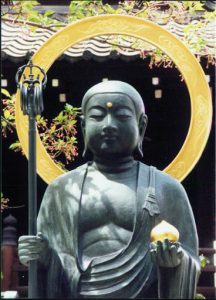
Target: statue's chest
106, 200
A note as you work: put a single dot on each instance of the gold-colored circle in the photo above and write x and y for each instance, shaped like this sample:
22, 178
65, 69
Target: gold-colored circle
109, 104
200, 98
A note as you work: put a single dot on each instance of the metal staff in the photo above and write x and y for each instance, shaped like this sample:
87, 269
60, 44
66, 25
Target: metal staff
32, 105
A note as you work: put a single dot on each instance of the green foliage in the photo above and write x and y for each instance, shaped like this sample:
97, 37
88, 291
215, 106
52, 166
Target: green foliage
193, 6
58, 136
8, 113
199, 296
5, 92
203, 261
4, 204
15, 146
26, 13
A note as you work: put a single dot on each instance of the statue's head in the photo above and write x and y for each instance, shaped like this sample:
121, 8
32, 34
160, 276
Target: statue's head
114, 120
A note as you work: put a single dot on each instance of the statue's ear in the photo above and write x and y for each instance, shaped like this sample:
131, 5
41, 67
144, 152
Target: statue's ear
143, 121
82, 122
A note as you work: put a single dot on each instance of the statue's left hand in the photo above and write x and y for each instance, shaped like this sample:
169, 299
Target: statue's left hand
166, 254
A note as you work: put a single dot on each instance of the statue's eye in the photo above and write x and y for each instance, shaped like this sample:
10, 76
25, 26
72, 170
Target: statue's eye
123, 114
97, 116
123, 117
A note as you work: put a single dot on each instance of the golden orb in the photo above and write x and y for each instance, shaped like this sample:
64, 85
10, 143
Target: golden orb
163, 231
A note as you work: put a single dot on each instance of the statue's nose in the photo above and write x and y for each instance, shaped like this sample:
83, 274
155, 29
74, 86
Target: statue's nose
109, 124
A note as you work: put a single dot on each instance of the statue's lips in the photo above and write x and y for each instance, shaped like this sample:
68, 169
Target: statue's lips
109, 137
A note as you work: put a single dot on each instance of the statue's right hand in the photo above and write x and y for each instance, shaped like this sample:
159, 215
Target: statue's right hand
33, 247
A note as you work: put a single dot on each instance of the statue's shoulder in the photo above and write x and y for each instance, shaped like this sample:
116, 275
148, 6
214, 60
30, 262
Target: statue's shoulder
165, 177
70, 175
161, 178
170, 188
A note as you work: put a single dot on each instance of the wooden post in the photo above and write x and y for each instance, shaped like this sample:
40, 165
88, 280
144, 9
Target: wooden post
9, 249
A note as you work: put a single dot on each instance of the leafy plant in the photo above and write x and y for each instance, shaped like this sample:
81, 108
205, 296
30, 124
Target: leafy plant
4, 202
8, 116
203, 262
199, 296
58, 136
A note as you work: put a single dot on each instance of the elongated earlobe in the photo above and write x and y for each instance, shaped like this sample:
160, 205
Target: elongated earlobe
86, 152
82, 122
143, 120
139, 149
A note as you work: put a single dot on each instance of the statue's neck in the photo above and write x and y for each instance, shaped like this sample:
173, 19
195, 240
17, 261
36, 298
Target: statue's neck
113, 165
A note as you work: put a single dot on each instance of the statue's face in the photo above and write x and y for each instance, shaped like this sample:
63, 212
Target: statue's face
111, 125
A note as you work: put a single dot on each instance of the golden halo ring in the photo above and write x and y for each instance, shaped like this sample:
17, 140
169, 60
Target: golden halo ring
200, 97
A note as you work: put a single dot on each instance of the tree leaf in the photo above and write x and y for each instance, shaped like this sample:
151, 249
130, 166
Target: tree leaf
49, 12
200, 296
14, 146
5, 92
35, 19
6, 114
72, 7
4, 124
203, 261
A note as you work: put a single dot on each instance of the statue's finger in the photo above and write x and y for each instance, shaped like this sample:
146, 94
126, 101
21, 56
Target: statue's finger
166, 253
153, 245
22, 253
180, 253
159, 245
173, 250
31, 246
166, 244
153, 253
27, 252
160, 258
26, 238
174, 256
41, 236
26, 259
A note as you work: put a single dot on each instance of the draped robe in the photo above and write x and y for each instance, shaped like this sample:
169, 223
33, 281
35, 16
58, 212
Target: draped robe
128, 272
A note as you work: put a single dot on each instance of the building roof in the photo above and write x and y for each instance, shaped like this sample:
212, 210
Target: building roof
18, 42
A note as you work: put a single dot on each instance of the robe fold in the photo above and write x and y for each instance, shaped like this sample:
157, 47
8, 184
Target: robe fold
128, 272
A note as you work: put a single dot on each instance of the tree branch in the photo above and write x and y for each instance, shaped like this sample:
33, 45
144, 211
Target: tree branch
61, 25
32, 24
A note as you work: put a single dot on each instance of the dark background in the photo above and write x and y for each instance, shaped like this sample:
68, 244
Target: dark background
168, 125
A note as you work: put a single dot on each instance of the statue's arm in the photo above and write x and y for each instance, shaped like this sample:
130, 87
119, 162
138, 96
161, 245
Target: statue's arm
177, 263
37, 247
55, 221
52, 247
